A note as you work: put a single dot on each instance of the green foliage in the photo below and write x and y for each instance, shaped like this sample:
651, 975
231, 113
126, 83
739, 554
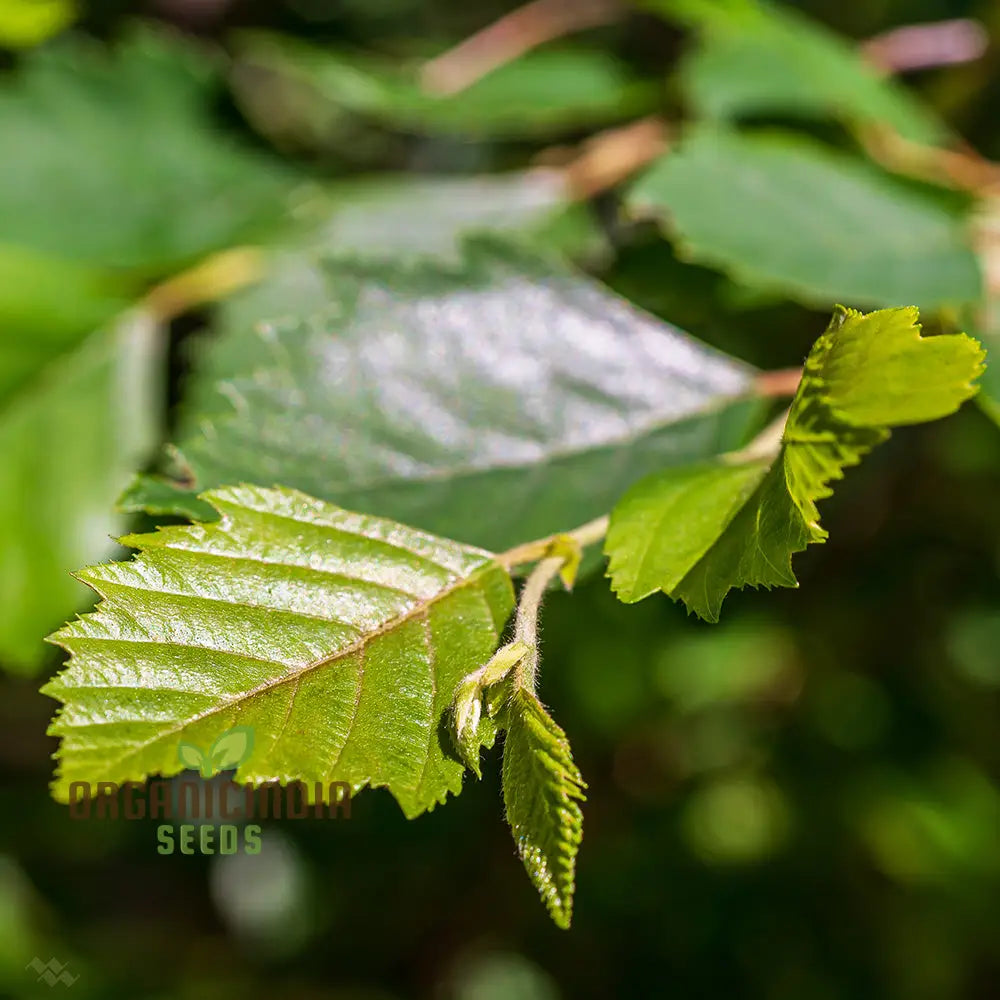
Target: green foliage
135, 173
76, 416
399, 215
782, 212
338, 637
45, 302
403, 396
542, 791
545, 91
697, 532
413, 349
760, 59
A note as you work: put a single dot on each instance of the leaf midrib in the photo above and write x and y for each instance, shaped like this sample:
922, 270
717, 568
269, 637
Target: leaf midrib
422, 607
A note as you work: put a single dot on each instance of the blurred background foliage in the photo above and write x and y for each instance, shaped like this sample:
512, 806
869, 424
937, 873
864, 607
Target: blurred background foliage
799, 802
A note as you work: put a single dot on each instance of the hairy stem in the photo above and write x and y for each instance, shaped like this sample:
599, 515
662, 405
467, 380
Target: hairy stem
587, 534
526, 622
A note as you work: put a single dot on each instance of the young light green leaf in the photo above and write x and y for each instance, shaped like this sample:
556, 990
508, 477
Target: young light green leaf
557, 395
668, 521
475, 705
696, 533
98, 398
786, 213
340, 638
542, 791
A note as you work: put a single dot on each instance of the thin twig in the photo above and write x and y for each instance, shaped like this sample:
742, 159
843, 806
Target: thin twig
514, 34
924, 46
778, 383
587, 534
962, 169
212, 279
915, 47
611, 156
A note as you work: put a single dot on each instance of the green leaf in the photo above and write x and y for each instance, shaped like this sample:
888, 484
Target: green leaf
790, 214
544, 91
432, 392
129, 168
394, 215
542, 791
696, 533
77, 417
48, 306
339, 638
668, 521
765, 59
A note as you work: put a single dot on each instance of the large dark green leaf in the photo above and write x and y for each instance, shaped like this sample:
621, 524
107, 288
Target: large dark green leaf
429, 214
494, 400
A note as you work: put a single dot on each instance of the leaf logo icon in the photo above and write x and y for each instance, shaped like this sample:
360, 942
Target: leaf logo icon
191, 756
230, 750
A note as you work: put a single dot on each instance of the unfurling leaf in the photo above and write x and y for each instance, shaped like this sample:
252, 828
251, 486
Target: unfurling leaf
478, 700
697, 532
542, 791
340, 638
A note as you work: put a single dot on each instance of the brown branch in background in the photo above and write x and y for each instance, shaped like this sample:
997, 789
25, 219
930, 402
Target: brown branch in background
963, 169
920, 46
609, 157
514, 34
779, 383
923, 46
